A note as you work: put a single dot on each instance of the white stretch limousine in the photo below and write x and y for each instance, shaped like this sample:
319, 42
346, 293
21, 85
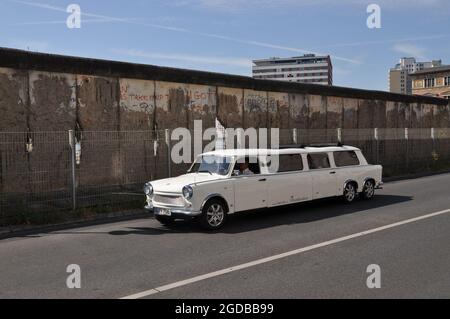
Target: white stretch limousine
227, 181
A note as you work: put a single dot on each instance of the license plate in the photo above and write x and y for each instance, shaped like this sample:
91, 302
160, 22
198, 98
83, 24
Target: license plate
164, 212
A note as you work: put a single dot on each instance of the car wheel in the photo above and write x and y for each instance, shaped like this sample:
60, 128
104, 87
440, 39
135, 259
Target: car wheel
368, 190
349, 193
165, 220
213, 215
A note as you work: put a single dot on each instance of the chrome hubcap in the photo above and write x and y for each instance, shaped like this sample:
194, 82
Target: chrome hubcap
349, 192
370, 190
215, 215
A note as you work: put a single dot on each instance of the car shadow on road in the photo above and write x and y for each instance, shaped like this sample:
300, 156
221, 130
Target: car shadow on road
293, 214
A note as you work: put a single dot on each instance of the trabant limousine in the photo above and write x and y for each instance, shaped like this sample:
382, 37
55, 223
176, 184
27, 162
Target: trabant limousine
224, 182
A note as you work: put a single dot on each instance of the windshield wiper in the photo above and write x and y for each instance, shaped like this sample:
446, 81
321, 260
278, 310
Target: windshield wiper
204, 171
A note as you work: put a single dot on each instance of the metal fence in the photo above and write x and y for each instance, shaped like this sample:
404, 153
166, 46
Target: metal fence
90, 172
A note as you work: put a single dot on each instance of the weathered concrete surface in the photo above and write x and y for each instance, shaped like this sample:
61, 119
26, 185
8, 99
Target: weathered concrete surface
317, 112
335, 106
426, 120
441, 115
350, 116
415, 115
13, 118
230, 109
137, 105
137, 113
53, 101
279, 110
52, 108
97, 103
202, 105
299, 110
171, 105
255, 109
13, 100
366, 113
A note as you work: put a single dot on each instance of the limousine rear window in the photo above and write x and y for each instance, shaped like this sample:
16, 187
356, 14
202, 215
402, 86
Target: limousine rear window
346, 158
290, 163
318, 161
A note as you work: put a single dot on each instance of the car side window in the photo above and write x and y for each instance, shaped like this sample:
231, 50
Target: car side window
318, 161
346, 158
247, 166
289, 163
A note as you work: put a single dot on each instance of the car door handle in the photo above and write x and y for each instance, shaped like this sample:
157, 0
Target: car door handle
262, 180
332, 172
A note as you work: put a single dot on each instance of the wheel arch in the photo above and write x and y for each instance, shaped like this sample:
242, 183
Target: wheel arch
369, 179
351, 181
215, 196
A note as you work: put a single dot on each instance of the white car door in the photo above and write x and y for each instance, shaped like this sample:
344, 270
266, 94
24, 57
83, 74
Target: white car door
289, 183
324, 180
250, 191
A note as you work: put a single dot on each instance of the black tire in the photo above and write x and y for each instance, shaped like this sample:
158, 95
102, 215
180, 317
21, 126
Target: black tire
350, 193
165, 220
368, 190
214, 214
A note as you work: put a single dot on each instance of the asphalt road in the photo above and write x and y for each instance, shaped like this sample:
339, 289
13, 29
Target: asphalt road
125, 258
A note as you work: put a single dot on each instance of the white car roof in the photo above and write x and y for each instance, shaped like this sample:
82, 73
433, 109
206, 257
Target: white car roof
259, 151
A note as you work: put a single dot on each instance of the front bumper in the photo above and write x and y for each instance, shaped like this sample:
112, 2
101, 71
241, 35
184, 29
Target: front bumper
175, 212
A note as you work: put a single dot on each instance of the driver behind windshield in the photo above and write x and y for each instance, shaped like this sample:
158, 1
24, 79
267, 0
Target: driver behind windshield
244, 168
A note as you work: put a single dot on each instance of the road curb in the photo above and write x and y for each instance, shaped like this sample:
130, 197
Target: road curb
414, 176
22, 231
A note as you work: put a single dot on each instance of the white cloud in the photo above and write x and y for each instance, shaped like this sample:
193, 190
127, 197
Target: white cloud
100, 20
410, 50
61, 9
196, 59
183, 30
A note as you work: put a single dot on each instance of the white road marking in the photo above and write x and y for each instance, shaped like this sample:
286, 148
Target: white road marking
279, 256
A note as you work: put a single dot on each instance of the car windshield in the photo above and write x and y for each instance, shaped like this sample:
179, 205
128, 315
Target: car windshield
211, 164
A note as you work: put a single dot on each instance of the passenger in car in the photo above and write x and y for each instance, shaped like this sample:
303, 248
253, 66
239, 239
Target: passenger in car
244, 168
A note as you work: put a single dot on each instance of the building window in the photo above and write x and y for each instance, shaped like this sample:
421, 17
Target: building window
447, 81
429, 83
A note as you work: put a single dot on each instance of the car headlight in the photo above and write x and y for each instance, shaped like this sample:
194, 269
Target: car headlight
148, 189
188, 192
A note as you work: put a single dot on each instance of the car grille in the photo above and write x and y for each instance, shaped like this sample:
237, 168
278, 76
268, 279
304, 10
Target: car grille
170, 200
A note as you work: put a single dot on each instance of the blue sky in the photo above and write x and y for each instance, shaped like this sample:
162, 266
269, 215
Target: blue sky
225, 35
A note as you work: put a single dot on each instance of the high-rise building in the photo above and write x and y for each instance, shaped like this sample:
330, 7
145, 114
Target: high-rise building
308, 68
399, 79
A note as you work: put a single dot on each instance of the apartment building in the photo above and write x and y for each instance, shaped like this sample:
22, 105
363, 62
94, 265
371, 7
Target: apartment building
308, 68
399, 76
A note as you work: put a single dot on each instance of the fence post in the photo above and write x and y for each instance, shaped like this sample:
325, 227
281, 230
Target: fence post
377, 145
339, 134
294, 136
73, 166
169, 148
433, 145
407, 148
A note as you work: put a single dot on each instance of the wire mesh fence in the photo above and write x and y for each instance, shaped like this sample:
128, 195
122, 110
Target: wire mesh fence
93, 171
